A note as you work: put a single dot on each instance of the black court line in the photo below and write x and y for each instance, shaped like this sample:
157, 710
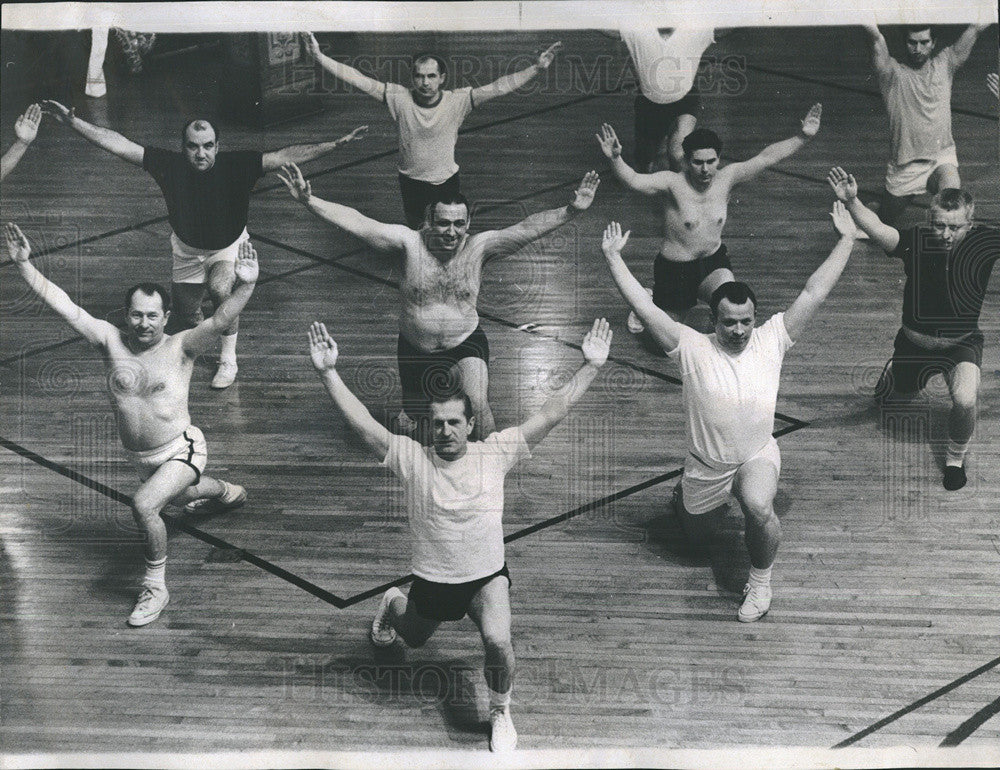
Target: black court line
918, 703
970, 725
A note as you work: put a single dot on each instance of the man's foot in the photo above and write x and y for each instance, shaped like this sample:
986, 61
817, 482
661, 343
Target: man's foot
151, 602
382, 633
225, 375
756, 603
503, 736
954, 477
233, 497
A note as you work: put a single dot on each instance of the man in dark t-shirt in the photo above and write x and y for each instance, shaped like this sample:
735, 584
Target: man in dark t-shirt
948, 263
207, 193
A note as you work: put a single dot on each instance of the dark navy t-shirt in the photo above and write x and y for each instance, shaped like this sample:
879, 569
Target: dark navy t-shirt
207, 209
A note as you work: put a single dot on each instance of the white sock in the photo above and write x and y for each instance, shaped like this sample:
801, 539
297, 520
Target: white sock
500, 700
156, 573
956, 452
228, 348
98, 47
760, 577
228, 492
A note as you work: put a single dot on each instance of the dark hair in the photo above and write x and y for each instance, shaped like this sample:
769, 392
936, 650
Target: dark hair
148, 289
454, 395
952, 199
910, 28
701, 139
736, 292
421, 58
195, 123
447, 198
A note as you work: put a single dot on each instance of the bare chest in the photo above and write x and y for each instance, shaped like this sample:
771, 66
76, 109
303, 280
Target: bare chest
429, 280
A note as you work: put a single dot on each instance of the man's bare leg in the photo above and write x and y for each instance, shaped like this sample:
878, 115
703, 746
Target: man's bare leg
475, 378
221, 278
490, 610
755, 488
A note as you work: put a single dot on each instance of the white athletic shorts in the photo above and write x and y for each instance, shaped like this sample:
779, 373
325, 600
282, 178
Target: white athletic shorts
191, 265
188, 448
706, 487
911, 178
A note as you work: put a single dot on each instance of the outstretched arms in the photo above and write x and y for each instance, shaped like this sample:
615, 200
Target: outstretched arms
104, 138
205, 334
376, 234
963, 46
351, 76
596, 345
303, 153
821, 282
511, 239
647, 184
880, 50
509, 83
96, 332
846, 190
747, 170
323, 352
665, 330
25, 129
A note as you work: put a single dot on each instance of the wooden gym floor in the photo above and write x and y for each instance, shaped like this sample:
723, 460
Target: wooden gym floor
886, 613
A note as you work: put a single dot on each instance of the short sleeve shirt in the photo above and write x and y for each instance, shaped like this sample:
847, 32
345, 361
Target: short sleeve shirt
919, 105
666, 69
207, 209
427, 135
456, 507
730, 399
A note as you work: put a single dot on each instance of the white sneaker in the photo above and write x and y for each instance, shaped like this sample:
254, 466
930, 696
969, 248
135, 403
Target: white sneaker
382, 633
756, 603
233, 497
503, 736
151, 602
225, 375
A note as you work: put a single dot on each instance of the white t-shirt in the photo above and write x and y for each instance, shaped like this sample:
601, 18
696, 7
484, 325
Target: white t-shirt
666, 68
730, 399
427, 135
456, 507
919, 106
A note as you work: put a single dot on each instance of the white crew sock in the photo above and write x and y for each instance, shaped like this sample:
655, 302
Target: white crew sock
156, 573
956, 453
228, 348
760, 577
500, 700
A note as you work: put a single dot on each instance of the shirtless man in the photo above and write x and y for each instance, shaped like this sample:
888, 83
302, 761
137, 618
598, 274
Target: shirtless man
917, 96
428, 119
207, 192
455, 509
25, 131
149, 374
692, 262
731, 380
440, 339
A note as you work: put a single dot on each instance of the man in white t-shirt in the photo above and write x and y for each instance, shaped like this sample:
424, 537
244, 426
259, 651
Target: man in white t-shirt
454, 497
730, 391
665, 63
428, 118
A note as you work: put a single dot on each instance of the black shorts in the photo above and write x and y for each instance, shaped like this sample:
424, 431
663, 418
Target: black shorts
418, 195
912, 366
675, 284
448, 601
653, 122
424, 375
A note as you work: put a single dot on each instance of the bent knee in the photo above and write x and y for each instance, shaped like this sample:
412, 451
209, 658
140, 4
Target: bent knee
498, 642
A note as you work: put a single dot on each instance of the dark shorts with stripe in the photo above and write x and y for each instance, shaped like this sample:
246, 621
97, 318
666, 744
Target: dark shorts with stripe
425, 375
912, 365
448, 601
675, 284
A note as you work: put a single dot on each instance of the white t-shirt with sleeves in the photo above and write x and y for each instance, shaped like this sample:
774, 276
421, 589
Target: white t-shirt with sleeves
427, 135
919, 105
730, 399
456, 507
666, 69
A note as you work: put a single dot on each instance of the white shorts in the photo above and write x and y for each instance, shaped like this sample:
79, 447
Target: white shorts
191, 264
911, 178
189, 448
706, 487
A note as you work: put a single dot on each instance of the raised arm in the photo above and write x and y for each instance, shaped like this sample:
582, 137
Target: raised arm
596, 345
376, 234
351, 76
821, 282
104, 138
303, 153
510, 83
96, 332
880, 50
647, 184
25, 131
846, 189
665, 330
963, 46
323, 352
747, 170
199, 339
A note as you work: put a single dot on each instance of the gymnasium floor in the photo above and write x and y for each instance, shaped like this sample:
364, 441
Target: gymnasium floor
884, 626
